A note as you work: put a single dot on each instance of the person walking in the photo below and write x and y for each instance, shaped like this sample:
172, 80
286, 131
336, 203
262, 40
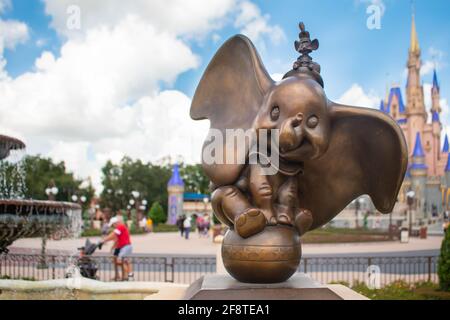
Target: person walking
179, 222
123, 248
187, 224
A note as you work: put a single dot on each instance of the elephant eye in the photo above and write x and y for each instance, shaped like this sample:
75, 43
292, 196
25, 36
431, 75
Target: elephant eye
275, 113
312, 122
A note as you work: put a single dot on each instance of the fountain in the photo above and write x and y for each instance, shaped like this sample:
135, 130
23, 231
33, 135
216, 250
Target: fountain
20, 217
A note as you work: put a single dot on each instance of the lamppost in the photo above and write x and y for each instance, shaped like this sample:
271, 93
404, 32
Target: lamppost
51, 191
77, 199
80, 200
135, 202
410, 201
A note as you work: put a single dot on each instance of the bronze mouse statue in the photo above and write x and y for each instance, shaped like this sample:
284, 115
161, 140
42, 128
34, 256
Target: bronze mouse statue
328, 154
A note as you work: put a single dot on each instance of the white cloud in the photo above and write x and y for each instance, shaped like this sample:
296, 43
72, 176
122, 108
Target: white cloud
356, 96
12, 33
178, 17
255, 25
4, 5
437, 62
427, 67
100, 97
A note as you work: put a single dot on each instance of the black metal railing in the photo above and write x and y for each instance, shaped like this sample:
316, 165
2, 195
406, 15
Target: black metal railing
155, 268
186, 269
385, 269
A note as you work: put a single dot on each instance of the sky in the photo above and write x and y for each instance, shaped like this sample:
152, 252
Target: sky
86, 81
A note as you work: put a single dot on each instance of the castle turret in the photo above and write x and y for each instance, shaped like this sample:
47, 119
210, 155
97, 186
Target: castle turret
418, 171
417, 115
445, 147
447, 172
175, 189
435, 94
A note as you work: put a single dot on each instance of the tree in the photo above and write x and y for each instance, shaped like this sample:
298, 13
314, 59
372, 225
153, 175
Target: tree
119, 180
157, 213
194, 178
35, 173
444, 263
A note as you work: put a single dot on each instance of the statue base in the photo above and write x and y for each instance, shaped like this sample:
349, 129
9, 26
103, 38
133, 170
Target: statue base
298, 287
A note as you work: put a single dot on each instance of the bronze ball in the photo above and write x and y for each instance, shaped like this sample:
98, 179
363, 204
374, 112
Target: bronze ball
270, 256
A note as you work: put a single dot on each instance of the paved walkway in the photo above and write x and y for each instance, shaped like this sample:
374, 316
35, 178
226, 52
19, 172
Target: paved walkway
172, 243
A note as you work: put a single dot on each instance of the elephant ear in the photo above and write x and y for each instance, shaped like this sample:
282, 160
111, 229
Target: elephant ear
367, 155
230, 94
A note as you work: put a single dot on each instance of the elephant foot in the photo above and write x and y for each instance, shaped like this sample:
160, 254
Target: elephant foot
303, 221
250, 223
284, 215
284, 219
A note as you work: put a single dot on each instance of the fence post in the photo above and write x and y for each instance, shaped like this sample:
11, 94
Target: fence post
306, 265
53, 267
429, 269
168, 265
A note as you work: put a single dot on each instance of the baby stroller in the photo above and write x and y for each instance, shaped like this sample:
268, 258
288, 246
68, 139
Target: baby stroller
86, 266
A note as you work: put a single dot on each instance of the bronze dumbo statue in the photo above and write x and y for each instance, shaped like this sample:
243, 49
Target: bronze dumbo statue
327, 155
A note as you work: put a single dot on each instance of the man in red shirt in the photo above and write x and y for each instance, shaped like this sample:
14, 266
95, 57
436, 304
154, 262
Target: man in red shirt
121, 236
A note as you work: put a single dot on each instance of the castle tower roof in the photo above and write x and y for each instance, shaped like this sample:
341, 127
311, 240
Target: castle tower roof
435, 80
418, 158
414, 45
418, 150
395, 92
434, 116
175, 180
445, 148
382, 106
447, 167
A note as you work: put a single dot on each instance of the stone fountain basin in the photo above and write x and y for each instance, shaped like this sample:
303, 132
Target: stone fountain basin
85, 289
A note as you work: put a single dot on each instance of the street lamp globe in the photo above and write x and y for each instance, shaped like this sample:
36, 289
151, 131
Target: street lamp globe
135, 194
131, 202
410, 194
48, 191
74, 198
144, 202
55, 191
83, 199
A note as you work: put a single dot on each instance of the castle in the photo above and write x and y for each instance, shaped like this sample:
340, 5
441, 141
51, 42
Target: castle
428, 173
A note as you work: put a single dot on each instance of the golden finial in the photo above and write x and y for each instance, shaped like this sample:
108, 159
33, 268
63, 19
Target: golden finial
414, 47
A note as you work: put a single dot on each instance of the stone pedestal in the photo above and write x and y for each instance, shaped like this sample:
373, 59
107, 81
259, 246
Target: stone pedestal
298, 287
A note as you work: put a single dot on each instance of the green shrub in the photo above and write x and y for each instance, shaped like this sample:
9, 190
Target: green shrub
444, 263
162, 227
157, 213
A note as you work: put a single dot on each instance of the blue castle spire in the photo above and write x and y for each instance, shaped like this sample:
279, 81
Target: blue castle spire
447, 167
435, 80
382, 106
418, 151
175, 180
445, 148
434, 117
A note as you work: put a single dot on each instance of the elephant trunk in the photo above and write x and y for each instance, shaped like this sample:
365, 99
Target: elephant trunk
291, 133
